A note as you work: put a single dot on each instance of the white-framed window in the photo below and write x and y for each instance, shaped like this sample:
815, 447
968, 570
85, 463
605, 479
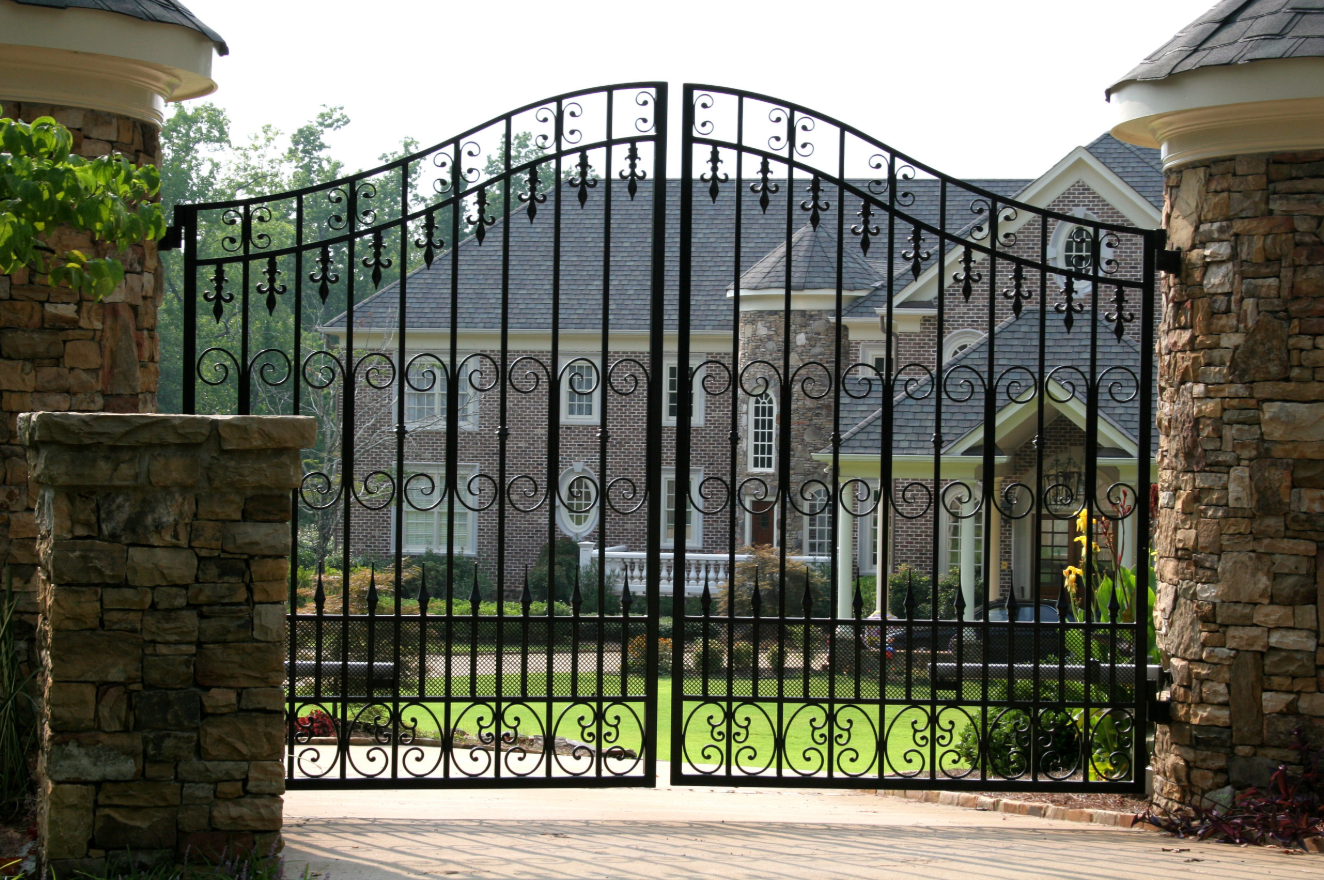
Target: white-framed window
958, 341
1071, 247
693, 527
818, 526
958, 555
671, 405
762, 433
577, 507
425, 395
427, 520
581, 391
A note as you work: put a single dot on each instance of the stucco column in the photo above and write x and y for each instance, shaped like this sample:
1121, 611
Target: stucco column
1240, 518
846, 564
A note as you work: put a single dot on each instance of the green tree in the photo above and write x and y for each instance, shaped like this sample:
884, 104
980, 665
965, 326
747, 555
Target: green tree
44, 189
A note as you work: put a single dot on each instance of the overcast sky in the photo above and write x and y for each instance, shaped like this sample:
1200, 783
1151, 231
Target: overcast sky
976, 88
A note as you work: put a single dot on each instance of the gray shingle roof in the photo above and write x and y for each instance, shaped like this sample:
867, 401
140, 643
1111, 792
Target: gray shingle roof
714, 269
1140, 167
813, 264
163, 11
1016, 345
1235, 32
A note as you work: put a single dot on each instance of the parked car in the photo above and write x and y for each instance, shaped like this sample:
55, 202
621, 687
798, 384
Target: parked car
1002, 640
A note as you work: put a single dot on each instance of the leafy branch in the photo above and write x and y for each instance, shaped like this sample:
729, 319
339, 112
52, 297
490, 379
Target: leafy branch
44, 187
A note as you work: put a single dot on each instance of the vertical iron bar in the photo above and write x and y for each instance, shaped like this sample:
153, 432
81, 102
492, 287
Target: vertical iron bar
189, 385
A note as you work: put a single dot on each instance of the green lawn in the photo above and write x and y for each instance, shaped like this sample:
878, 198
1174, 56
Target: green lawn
711, 738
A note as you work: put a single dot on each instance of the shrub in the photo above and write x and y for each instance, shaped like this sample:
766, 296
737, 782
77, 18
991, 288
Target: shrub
709, 656
765, 563
742, 656
637, 651
18, 720
664, 654
774, 658
1008, 749
908, 578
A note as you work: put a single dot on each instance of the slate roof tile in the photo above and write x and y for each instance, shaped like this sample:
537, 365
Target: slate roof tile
163, 11
1235, 32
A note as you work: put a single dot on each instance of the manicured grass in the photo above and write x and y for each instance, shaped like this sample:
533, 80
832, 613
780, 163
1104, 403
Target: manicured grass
747, 738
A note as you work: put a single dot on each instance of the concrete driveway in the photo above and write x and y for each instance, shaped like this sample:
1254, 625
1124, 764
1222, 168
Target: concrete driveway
732, 834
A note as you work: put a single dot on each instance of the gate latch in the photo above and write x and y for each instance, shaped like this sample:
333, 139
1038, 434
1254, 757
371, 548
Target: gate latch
1159, 711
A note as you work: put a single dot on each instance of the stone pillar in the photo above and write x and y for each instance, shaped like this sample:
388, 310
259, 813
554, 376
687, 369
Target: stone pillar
163, 547
1241, 471
62, 351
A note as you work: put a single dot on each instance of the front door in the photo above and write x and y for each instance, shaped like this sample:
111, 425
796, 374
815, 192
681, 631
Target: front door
762, 532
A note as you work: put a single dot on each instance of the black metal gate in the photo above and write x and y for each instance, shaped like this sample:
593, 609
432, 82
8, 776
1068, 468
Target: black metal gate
590, 438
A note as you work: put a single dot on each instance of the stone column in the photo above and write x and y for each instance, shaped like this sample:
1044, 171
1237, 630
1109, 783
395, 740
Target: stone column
61, 351
163, 547
1241, 471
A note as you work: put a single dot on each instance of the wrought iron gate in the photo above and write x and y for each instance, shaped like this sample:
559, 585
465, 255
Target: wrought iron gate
589, 436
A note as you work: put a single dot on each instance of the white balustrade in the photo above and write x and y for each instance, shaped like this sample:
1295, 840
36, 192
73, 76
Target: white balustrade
623, 566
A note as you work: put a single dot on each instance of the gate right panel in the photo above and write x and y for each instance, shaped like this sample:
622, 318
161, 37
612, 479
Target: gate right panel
934, 487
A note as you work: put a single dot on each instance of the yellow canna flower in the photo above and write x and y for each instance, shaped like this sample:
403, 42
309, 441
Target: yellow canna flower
1081, 539
1083, 521
1071, 572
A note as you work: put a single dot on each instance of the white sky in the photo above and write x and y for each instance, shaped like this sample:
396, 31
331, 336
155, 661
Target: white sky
975, 88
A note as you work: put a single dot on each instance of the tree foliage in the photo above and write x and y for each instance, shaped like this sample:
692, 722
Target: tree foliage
44, 187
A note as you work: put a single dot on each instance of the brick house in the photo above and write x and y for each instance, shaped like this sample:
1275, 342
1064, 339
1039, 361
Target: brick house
595, 368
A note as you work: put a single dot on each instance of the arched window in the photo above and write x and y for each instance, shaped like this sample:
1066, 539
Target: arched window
577, 508
1077, 249
762, 432
959, 341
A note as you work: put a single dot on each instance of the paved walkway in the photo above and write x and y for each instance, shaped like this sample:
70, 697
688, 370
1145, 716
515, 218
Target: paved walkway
731, 834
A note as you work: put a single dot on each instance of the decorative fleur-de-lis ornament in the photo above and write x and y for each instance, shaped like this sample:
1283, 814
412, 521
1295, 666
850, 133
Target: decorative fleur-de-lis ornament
219, 297
1069, 308
475, 598
857, 602
763, 186
583, 181
1119, 317
815, 204
714, 178
960, 604
423, 596
270, 287
1017, 292
576, 598
633, 174
916, 254
429, 242
319, 597
706, 600
375, 261
481, 220
967, 277
532, 197
322, 276
865, 230
372, 590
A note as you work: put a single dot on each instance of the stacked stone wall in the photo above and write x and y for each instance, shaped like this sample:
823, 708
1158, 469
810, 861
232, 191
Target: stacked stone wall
163, 547
61, 351
1241, 507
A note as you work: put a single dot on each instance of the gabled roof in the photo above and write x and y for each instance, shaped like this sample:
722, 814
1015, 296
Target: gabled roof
813, 264
1235, 32
1016, 360
1140, 167
715, 268
162, 11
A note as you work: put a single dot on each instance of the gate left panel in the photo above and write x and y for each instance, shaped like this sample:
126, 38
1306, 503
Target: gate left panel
475, 329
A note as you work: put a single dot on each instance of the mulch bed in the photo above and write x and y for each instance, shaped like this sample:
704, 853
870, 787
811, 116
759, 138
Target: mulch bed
1119, 803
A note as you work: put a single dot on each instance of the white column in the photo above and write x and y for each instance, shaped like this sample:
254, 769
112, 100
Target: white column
845, 563
968, 564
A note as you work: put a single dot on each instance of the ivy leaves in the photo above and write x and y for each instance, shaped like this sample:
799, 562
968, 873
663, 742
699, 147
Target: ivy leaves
44, 188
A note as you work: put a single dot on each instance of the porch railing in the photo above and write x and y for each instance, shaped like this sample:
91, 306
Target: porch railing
622, 563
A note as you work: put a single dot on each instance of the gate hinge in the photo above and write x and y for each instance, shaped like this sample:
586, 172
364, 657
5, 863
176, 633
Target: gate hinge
173, 238
1169, 261
1159, 711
